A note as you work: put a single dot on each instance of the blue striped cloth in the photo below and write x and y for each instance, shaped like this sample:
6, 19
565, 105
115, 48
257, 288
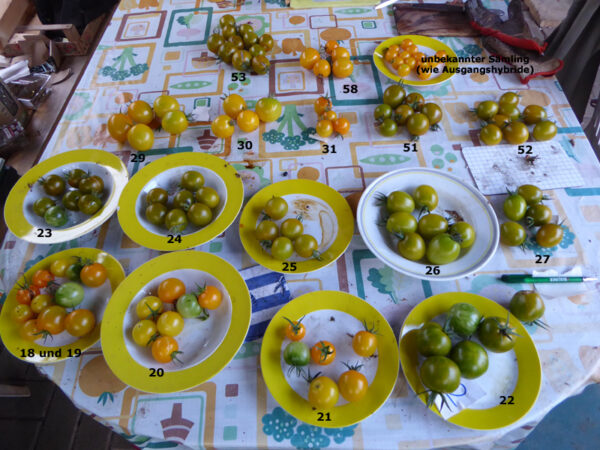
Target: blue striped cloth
268, 292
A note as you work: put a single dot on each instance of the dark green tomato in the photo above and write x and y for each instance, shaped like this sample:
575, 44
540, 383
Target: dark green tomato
208, 196
388, 128
415, 101
463, 319
214, 42
442, 249
402, 113
394, 95
401, 222
549, 235
42, 204
75, 176
509, 98
490, 134
91, 185
306, 245
432, 341
398, 201
256, 50
440, 374
296, 354
226, 51
54, 185
382, 112
241, 60
250, 39
465, 232
516, 133
282, 248
527, 306
157, 195
71, 199
514, 207
471, 358
56, 216
73, 271
486, 110
260, 64
510, 111
156, 213
267, 42
532, 194
227, 19
266, 231
192, 180
292, 228
431, 225
228, 30
417, 124
176, 220
187, 305
89, 204
512, 234
433, 112
494, 334
245, 28
412, 247
534, 114
237, 41
538, 215
183, 200
425, 197
276, 208
199, 214
544, 130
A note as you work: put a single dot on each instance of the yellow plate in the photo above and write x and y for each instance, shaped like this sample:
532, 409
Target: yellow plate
19, 346
18, 212
386, 362
530, 372
326, 215
165, 172
191, 267
422, 41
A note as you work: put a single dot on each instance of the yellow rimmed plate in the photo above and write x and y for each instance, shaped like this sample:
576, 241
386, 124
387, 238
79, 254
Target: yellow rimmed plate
326, 215
207, 346
166, 173
95, 299
528, 378
428, 46
18, 210
330, 315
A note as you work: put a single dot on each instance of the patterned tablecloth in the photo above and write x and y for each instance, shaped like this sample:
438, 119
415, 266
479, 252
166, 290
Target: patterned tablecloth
156, 46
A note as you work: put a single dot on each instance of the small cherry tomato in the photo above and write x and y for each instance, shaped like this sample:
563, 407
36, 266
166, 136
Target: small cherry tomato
163, 104
341, 125
322, 353
322, 104
549, 235
41, 278
210, 297
364, 343
233, 105
30, 331
353, 385
512, 234
324, 128
322, 68
118, 126
144, 332
170, 323
21, 313
222, 127
295, 330
52, 319
248, 121
342, 68
41, 302
140, 112
93, 275
170, 290
150, 307
140, 137
174, 122
323, 393
340, 53
309, 57
165, 349
80, 322
330, 46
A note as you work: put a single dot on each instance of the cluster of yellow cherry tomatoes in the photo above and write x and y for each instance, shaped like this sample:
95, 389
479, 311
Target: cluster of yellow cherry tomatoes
323, 392
159, 324
289, 238
407, 57
399, 109
267, 109
339, 63
329, 122
43, 301
526, 204
505, 121
240, 46
431, 236
136, 127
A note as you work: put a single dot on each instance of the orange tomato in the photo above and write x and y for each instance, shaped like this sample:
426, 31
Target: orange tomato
118, 126
322, 68
140, 112
341, 125
309, 57
403, 54
390, 54
52, 319
330, 46
441, 54
403, 70
419, 57
406, 43
322, 104
424, 71
394, 48
342, 68
170, 290
80, 322
24, 296
322, 353
339, 52
412, 49
329, 115
93, 275
165, 349
294, 330
29, 330
41, 278
210, 297
411, 62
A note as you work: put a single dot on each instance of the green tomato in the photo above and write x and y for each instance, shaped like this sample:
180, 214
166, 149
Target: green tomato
401, 223
157, 195
544, 130
71, 198
398, 201
463, 319
532, 194
388, 128
276, 208
156, 213
394, 95
431, 225
266, 231
42, 205
183, 200
440, 374
515, 207
199, 214
282, 248
549, 235
382, 112
53, 185
187, 305
296, 354
412, 247
402, 114
491, 134
465, 232
208, 196
292, 228
56, 216
509, 98
89, 204
533, 114
527, 306
431, 340
425, 196
496, 335
176, 220
306, 245
471, 358
538, 215
192, 180
69, 295
512, 234
442, 249
487, 109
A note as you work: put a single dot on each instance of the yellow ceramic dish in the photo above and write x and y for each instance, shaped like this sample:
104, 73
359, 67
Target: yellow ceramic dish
10, 332
114, 347
325, 202
422, 41
24, 224
223, 177
340, 416
530, 372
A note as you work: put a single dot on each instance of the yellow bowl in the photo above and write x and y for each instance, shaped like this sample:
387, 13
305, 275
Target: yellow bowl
530, 372
21, 347
421, 41
387, 357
